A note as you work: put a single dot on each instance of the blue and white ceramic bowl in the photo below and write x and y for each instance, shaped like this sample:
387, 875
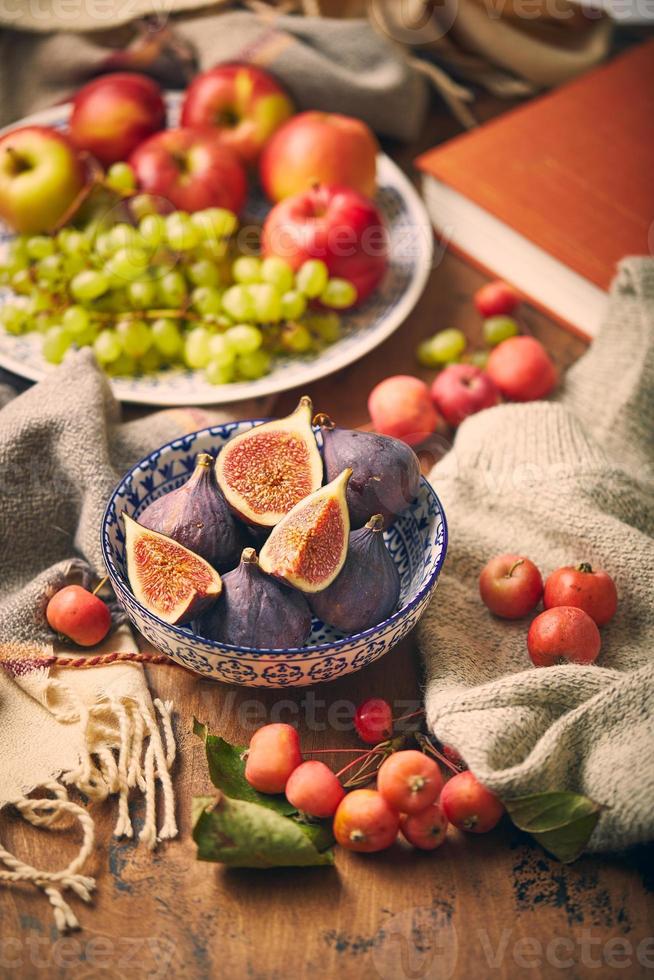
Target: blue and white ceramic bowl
417, 543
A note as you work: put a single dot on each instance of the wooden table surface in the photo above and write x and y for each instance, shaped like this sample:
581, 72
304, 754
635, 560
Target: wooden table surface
488, 906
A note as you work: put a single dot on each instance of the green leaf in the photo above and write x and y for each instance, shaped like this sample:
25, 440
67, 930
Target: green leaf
320, 833
560, 821
245, 835
198, 805
568, 843
227, 772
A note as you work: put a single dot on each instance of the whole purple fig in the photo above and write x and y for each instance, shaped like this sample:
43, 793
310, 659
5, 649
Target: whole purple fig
385, 471
256, 610
368, 588
197, 516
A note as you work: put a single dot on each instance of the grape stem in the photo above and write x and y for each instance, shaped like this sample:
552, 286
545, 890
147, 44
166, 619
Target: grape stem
94, 177
107, 317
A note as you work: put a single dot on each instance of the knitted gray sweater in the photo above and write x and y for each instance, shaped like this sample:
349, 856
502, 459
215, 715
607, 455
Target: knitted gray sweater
560, 482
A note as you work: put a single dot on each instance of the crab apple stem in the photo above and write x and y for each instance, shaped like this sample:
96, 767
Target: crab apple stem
101, 584
360, 758
413, 714
586, 567
327, 751
515, 565
428, 746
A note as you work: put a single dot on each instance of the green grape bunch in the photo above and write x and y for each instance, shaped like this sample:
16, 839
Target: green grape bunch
169, 291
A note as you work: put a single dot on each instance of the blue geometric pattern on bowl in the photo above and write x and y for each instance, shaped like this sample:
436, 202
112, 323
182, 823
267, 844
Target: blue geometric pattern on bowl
417, 543
410, 239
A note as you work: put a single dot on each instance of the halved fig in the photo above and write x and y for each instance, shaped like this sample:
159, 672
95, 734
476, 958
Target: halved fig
172, 582
307, 548
267, 470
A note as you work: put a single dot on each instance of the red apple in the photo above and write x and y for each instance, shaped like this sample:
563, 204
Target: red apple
41, 174
563, 633
244, 103
496, 299
461, 390
401, 407
113, 114
192, 169
521, 368
319, 148
510, 586
335, 224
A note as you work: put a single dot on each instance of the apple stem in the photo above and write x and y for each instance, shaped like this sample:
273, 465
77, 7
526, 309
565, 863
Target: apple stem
515, 565
18, 162
100, 585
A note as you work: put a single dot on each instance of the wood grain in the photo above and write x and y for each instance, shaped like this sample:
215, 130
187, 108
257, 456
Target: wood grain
493, 906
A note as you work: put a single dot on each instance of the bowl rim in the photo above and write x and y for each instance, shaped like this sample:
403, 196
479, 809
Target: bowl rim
260, 652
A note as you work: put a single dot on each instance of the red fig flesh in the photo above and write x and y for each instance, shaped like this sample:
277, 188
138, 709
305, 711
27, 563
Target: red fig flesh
172, 582
255, 610
368, 588
267, 470
308, 547
385, 471
197, 516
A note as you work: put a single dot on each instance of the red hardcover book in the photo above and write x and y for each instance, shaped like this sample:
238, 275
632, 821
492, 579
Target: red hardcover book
552, 194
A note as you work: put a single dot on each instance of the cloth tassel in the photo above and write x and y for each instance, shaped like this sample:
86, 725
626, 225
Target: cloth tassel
113, 758
123, 749
48, 812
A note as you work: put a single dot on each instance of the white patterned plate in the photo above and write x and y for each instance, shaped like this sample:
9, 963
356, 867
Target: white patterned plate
417, 543
410, 239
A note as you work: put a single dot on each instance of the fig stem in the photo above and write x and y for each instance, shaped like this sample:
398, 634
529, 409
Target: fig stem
376, 523
203, 459
101, 584
585, 567
249, 556
324, 421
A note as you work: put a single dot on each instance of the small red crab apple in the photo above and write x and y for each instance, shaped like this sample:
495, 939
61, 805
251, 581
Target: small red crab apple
426, 830
273, 754
592, 591
510, 586
374, 721
79, 614
314, 789
563, 633
496, 298
470, 806
409, 781
365, 822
